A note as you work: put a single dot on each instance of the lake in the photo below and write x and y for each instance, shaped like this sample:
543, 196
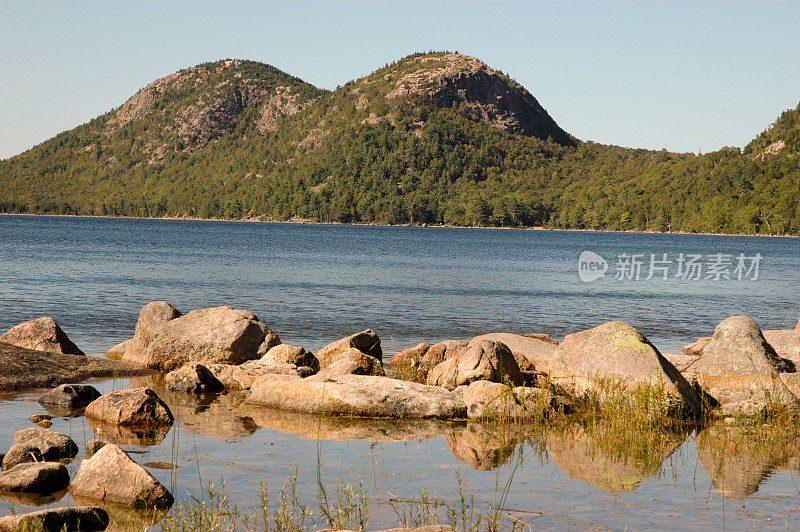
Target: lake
315, 283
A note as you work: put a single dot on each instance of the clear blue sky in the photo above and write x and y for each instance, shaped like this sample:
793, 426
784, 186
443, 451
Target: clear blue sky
685, 75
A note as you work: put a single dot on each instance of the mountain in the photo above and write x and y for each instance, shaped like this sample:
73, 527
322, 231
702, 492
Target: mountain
432, 138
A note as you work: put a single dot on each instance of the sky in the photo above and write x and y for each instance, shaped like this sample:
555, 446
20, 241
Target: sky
687, 76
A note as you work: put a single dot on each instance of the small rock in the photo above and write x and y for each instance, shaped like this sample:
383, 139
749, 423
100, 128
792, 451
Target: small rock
289, 354
305, 371
193, 378
352, 362
41, 334
111, 475
51, 445
70, 396
86, 519
93, 446
45, 423
40, 417
365, 341
139, 406
481, 360
35, 477
241, 377
697, 347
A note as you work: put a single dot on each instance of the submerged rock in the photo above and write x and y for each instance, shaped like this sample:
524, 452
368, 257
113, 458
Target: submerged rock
111, 475
365, 341
86, 519
166, 339
193, 378
71, 396
481, 360
356, 395
41, 334
617, 353
740, 370
139, 406
35, 477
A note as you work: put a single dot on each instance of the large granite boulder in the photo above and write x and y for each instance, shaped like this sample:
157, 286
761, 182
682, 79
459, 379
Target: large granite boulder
416, 362
365, 341
41, 334
110, 475
532, 352
219, 335
492, 400
35, 477
135, 407
741, 371
352, 362
70, 396
289, 354
193, 378
786, 344
39, 444
481, 360
617, 353
84, 518
356, 395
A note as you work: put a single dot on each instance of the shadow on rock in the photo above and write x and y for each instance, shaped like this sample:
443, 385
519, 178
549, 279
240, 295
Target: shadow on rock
609, 460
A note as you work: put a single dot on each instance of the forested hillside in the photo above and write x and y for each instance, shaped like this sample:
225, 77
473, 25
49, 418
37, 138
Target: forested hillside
433, 138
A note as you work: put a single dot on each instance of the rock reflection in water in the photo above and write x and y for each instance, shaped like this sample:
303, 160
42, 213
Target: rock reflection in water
121, 435
611, 462
124, 518
340, 428
31, 499
486, 446
737, 460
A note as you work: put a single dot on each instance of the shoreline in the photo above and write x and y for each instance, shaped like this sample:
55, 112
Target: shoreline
303, 221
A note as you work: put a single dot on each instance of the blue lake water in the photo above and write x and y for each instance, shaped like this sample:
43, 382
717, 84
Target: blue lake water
315, 283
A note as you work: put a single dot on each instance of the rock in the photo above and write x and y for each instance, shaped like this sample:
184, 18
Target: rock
51, 445
41, 334
219, 335
305, 371
35, 477
409, 358
352, 362
366, 341
289, 354
111, 475
241, 377
740, 370
616, 352
481, 360
356, 395
441, 351
491, 400
93, 446
683, 363
85, 519
786, 344
70, 396
45, 423
24, 368
21, 454
532, 352
40, 417
193, 378
118, 351
138, 406
697, 347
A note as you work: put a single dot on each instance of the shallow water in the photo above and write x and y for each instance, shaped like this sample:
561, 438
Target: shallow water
313, 284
